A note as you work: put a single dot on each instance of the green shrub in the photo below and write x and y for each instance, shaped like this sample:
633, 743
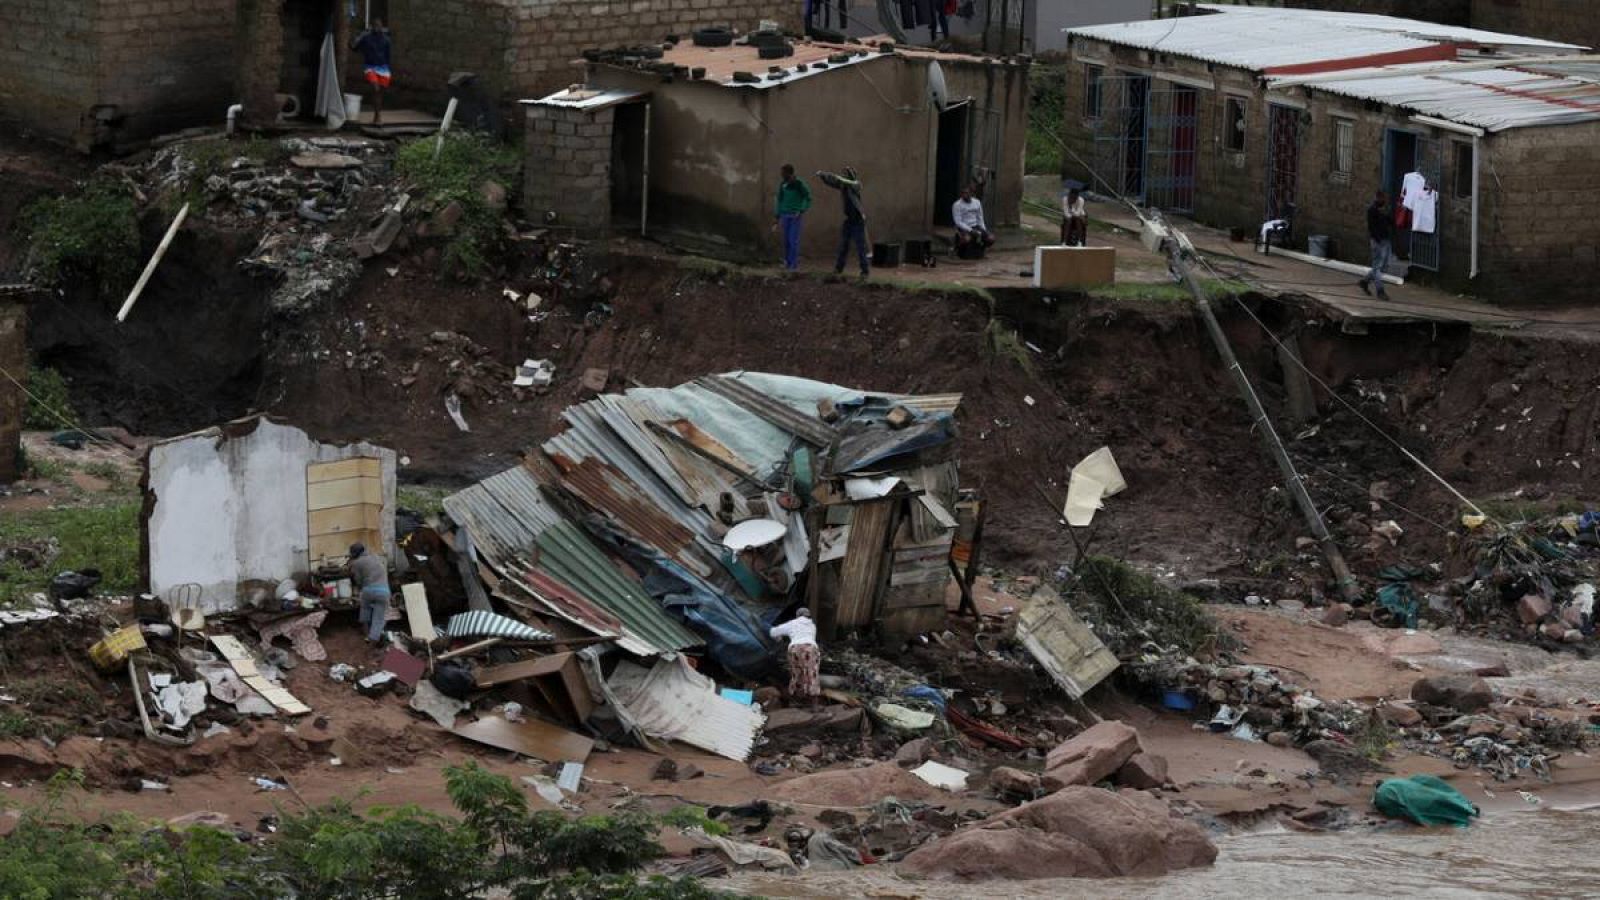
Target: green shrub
1129, 608
458, 175
49, 403
1046, 110
93, 233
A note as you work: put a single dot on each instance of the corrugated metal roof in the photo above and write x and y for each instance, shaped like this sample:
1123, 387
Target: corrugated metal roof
1259, 38
808, 428
569, 556
587, 98
673, 702
1491, 99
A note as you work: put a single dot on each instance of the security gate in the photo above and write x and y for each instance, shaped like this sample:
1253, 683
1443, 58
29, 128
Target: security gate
1283, 161
1146, 140
1430, 163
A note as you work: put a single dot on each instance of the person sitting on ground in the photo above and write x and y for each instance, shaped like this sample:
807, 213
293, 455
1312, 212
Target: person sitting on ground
805, 657
374, 46
972, 235
371, 577
1074, 219
854, 229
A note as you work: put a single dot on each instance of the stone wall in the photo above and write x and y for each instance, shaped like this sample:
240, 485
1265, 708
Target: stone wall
1570, 21
13, 359
48, 53
568, 169
1537, 243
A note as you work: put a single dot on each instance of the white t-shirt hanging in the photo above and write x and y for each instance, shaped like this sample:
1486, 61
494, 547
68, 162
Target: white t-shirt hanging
1411, 188
1424, 213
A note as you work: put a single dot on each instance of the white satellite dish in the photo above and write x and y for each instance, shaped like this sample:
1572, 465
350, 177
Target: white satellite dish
937, 92
753, 533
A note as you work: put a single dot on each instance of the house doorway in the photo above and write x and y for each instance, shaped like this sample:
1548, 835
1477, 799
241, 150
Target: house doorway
1174, 129
630, 175
1283, 161
950, 161
305, 25
1406, 152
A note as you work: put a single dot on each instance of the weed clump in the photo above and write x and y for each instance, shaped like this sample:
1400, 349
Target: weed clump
49, 403
102, 536
92, 234
1131, 610
458, 175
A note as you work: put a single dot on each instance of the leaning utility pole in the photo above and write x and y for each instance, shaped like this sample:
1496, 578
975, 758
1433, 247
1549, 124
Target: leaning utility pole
1269, 435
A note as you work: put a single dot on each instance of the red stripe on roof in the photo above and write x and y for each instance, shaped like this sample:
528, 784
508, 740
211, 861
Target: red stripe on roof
1434, 53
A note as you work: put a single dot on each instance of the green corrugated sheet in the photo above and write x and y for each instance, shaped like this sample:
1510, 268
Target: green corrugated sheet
568, 555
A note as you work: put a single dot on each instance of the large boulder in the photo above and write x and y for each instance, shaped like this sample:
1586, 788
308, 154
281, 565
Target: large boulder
1077, 832
1463, 693
1092, 756
1143, 771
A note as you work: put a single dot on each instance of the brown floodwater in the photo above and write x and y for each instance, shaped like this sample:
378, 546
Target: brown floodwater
1538, 853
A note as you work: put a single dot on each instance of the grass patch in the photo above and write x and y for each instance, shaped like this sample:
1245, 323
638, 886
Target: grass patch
1129, 608
93, 234
45, 468
1215, 289
426, 500
110, 473
49, 402
458, 175
1047, 107
1001, 342
102, 536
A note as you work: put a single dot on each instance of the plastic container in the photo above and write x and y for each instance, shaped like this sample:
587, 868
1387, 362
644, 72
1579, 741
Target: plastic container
352, 107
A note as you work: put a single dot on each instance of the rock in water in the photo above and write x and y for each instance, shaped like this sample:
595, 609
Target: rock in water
1077, 832
1093, 755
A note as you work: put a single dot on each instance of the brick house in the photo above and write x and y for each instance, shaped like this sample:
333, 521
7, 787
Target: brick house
700, 156
1242, 115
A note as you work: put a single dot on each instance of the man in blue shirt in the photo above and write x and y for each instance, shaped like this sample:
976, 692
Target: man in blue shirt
374, 46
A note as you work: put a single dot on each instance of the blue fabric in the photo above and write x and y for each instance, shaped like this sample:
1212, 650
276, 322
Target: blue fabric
852, 231
734, 636
927, 694
790, 223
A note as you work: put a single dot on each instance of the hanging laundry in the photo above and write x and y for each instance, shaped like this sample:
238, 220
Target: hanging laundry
1411, 188
1424, 213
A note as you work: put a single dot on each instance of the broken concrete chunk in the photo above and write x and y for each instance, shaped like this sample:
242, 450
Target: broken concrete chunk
1532, 608
1337, 614
1094, 755
900, 417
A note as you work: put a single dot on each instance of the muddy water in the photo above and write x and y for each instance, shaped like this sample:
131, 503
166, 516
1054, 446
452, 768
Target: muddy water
1545, 853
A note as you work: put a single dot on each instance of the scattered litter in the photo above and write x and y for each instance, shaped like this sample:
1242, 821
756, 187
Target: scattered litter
571, 776
1028, 399
1529, 798
342, 672
535, 373
430, 702
941, 776
904, 718
267, 784
1093, 479
146, 784
547, 790
512, 712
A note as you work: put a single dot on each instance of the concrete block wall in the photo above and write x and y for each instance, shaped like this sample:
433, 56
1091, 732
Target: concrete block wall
165, 64
568, 169
1535, 237
48, 53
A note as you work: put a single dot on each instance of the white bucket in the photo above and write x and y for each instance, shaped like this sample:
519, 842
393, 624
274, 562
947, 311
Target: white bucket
352, 106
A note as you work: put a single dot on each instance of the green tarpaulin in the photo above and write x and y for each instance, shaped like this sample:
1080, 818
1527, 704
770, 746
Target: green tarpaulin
1425, 800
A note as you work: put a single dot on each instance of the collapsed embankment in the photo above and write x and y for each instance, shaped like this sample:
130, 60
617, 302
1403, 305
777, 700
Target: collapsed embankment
1045, 381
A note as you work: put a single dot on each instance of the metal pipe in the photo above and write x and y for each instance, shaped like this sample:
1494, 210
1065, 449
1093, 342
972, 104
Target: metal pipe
1476, 152
233, 116
644, 199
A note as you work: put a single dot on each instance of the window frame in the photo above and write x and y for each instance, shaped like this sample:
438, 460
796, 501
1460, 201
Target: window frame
1093, 97
1343, 127
1228, 131
1458, 150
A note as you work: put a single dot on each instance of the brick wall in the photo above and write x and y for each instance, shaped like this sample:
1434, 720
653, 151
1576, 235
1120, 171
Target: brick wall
14, 359
48, 52
568, 169
1571, 21
1535, 238
165, 64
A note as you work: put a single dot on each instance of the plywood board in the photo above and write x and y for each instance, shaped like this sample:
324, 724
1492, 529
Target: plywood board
359, 467
1064, 645
245, 665
864, 558
344, 492
418, 617
529, 737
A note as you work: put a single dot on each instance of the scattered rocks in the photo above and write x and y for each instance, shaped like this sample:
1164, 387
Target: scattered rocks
1554, 631
1280, 739
1094, 755
1144, 771
915, 752
1533, 608
1400, 715
1009, 782
1077, 832
1463, 693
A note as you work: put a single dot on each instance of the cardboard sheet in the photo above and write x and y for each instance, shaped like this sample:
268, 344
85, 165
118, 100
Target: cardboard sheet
1093, 479
417, 615
530, 737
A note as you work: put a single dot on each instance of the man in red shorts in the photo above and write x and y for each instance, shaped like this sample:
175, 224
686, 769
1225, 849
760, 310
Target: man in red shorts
374, 46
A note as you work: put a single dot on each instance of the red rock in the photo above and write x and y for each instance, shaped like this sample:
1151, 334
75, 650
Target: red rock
1495, 670
1463, 693
1280, 739
1532, 608
1555, 631
916, 751
1078, 832
1144, 772
1573, 616
1336, 615
1009, 782
1400, 715
1484, 729
1093, 755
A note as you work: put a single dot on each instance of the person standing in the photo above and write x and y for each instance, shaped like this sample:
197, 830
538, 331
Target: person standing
1380, 235
1074, 219
972, 235
794, 198
374, 46
371, 576
805, 657
854, 229
938, 18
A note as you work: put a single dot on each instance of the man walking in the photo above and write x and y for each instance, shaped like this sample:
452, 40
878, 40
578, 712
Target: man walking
1380, 234
371, 576
794, 198
805, 657
855, 221
374, 46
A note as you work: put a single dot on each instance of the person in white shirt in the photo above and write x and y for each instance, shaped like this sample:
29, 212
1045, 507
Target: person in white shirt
1074, 219
972, 235
805, 657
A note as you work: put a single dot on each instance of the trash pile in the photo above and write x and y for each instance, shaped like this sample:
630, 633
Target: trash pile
1251, 703
1536, 580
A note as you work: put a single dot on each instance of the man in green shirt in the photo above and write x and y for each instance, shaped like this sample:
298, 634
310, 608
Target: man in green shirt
794, 198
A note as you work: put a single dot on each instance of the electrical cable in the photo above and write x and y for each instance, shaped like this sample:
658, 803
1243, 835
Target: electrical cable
61, 417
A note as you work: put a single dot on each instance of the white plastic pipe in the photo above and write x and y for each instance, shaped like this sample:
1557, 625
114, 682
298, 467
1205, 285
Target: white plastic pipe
234, 112
444, 126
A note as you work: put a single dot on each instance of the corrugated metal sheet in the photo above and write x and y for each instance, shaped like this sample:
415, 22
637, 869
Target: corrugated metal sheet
1258, 38
608, 491
587, 98
1491, 99
673, 702
808, 428
705, 483
567, 554
504, 513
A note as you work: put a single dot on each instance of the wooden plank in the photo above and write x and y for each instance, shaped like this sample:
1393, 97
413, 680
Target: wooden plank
337, 546
245, 665
418, 617
529, 737
356, 467
340, 519
344, 492
527, 668
864, 558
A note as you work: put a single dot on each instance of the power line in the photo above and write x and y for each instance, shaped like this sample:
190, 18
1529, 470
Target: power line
61, 417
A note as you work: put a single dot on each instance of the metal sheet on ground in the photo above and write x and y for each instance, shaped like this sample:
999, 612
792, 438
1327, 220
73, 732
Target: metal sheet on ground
418, 617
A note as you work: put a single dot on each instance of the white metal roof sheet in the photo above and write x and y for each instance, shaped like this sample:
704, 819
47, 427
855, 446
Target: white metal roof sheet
587, 98
1491, 99
1259, 38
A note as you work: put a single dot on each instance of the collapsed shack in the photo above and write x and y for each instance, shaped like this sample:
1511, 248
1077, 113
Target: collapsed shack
694, 518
